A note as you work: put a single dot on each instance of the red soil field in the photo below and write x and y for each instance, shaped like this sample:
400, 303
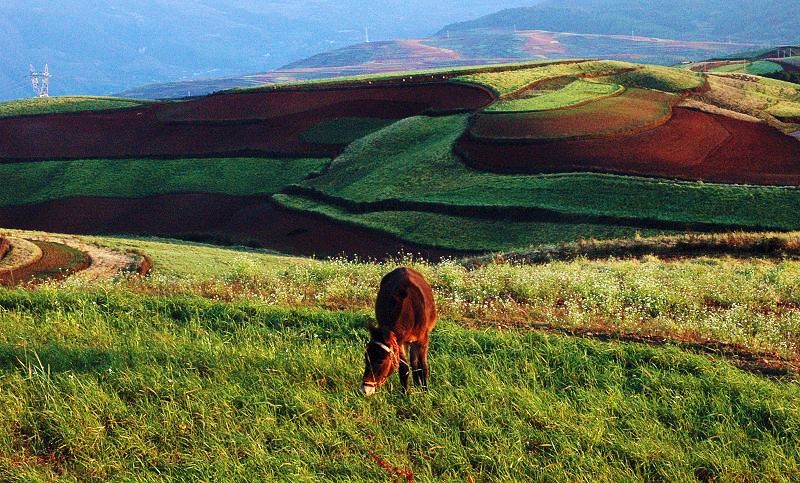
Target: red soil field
254, 221
693, 145
633, 110
259, 123
58, 261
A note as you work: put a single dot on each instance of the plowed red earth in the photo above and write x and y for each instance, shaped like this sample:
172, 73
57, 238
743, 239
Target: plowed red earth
693, 145
254, 221
58, 261
632, 111
260, 123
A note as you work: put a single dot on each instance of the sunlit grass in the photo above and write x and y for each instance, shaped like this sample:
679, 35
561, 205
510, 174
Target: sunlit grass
52, 105
103, 384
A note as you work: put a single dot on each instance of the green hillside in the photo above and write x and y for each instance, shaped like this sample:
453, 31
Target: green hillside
411, 165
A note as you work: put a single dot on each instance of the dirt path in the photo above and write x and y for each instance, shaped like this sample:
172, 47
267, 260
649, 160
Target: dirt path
105, 263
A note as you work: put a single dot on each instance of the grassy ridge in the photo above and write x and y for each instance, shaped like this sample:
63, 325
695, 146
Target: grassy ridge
53, 105
575, 93
412, 160
106, 384
779, 98
659, 78
507, 82
390, 76
462, 232
36, 182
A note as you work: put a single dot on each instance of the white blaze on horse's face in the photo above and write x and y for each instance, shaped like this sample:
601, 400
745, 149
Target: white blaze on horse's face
379, 360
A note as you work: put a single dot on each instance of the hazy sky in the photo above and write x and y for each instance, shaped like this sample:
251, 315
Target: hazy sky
106, 46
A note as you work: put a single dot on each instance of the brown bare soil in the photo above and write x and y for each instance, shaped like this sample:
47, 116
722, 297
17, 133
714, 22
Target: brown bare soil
258, 123
253, 221
57, 262
693, 145
632, 111
105, 262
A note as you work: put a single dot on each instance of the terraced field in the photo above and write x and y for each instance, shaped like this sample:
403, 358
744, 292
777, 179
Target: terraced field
443, 162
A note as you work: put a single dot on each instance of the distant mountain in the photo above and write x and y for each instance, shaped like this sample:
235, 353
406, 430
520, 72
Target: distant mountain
457, 48
101, 47
757, 21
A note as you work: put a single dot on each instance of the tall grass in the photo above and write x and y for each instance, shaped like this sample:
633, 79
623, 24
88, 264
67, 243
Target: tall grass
103, 384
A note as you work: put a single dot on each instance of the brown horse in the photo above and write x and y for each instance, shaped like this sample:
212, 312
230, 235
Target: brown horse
406, 314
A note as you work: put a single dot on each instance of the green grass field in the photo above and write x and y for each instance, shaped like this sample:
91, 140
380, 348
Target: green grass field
759, 67
412, 160
52, 105
576, 92
250, 372
36, 182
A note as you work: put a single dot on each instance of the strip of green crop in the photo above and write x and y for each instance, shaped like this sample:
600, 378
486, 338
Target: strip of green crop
463, 232
577, 92
53, 105
413, 160
35, 182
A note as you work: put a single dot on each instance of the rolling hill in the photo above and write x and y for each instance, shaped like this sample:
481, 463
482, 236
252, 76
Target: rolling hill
765, 22
460, 160
96, 48
460, 48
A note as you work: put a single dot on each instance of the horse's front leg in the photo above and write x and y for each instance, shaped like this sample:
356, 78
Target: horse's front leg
403, 369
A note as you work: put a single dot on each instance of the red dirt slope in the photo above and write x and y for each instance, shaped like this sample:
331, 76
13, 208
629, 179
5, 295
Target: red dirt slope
258, 123
692, 145
253, 221
58, 261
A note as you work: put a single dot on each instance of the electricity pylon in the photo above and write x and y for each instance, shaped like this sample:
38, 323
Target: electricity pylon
41, 82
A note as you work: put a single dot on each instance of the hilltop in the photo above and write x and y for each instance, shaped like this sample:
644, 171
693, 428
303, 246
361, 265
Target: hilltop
453, 49
765, 22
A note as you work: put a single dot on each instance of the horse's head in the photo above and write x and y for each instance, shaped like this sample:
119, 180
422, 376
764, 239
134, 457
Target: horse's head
381, 359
